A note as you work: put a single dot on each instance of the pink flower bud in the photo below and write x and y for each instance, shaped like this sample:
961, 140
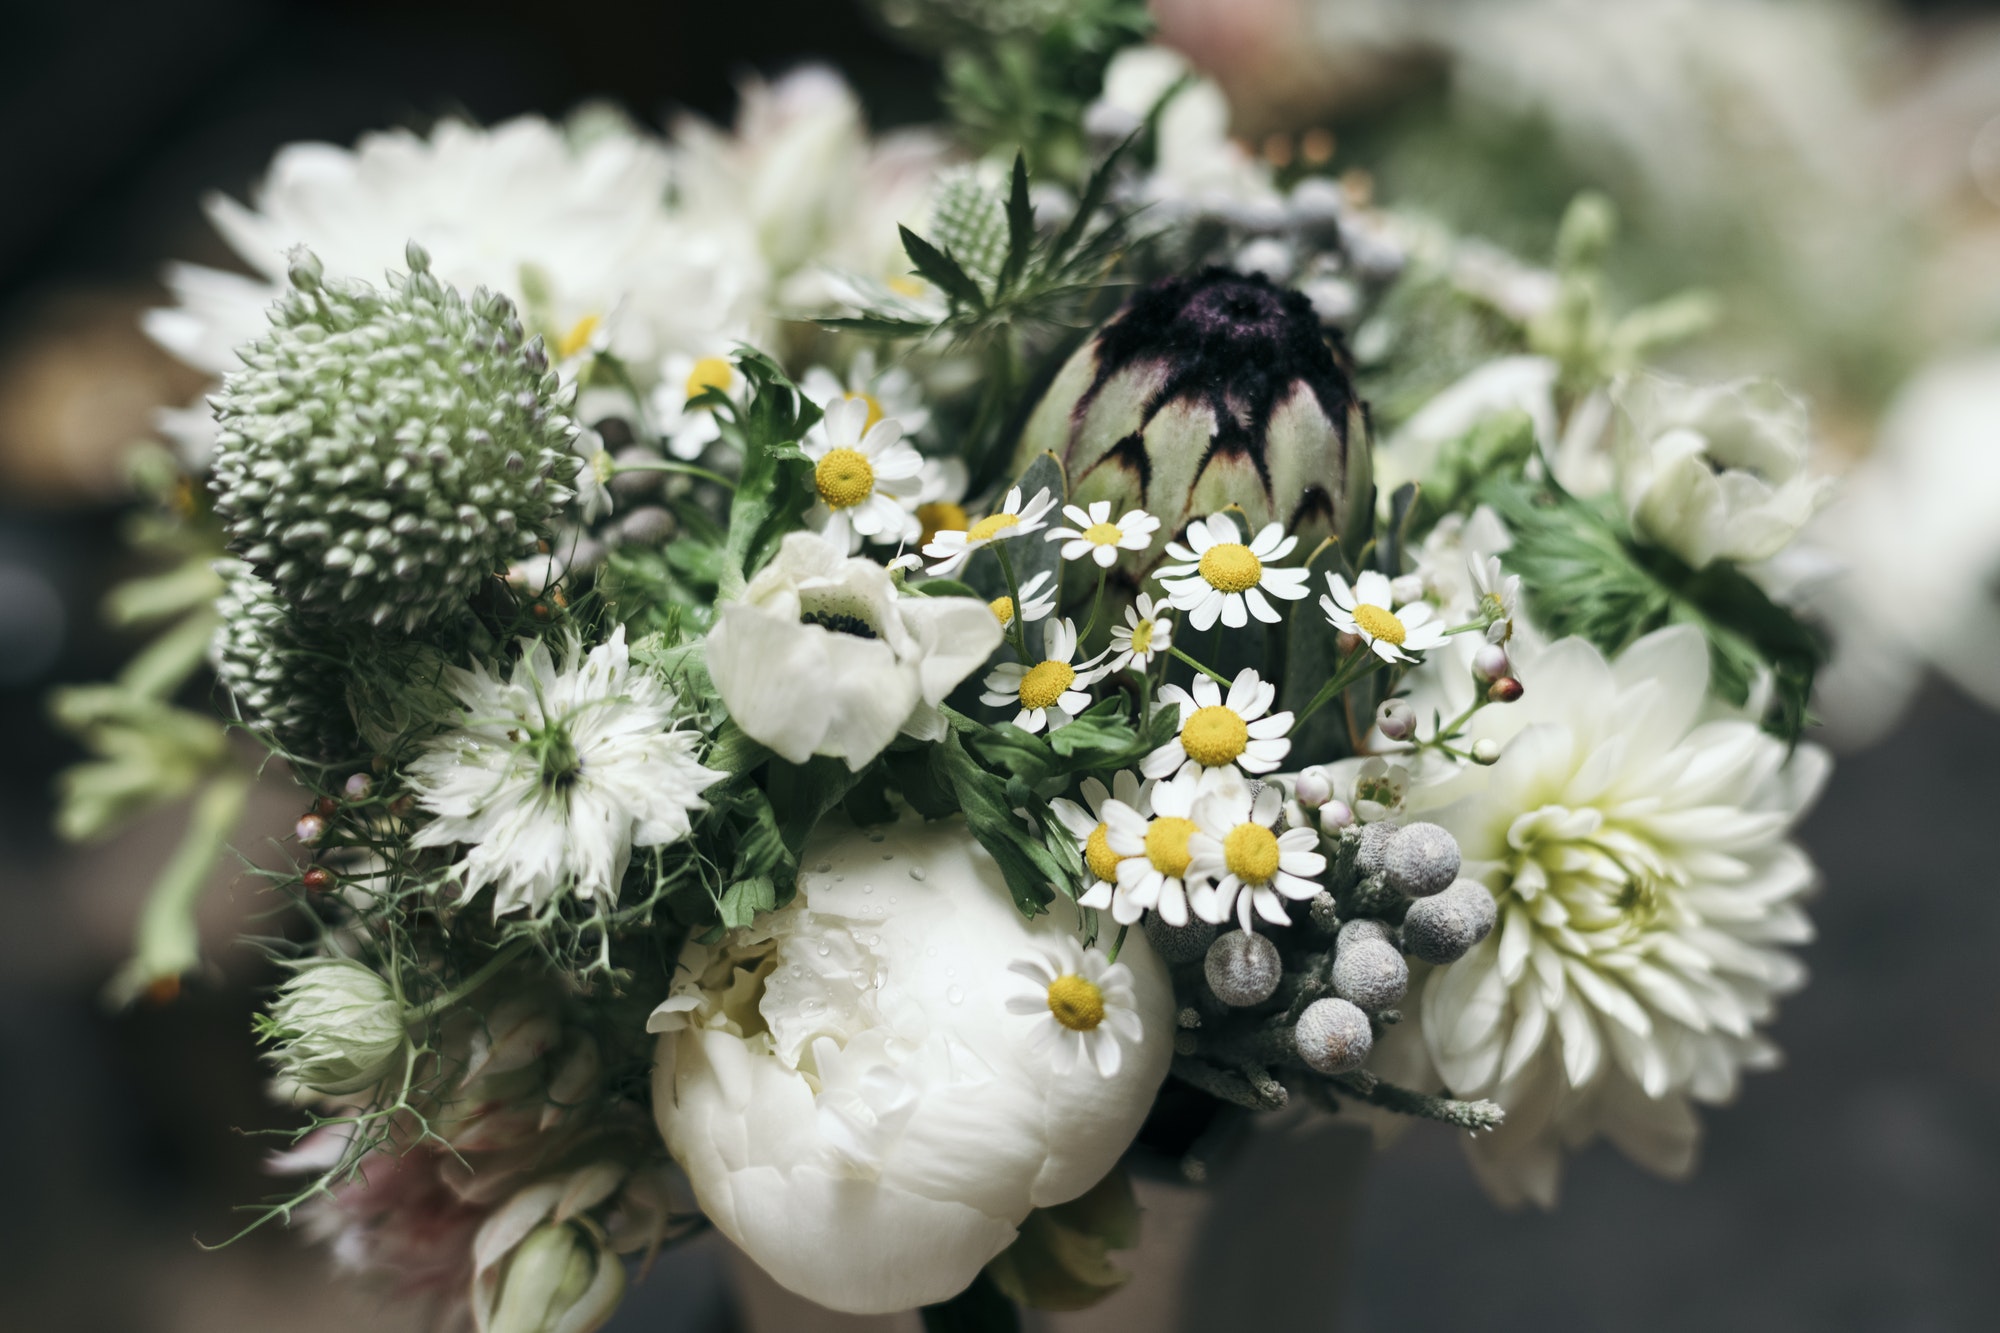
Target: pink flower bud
1396, 720
1490, 662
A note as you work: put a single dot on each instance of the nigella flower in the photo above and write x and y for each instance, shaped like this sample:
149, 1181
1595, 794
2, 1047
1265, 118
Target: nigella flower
557, 773
1221, 578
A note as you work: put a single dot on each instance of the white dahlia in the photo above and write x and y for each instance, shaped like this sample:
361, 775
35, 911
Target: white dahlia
1637, 844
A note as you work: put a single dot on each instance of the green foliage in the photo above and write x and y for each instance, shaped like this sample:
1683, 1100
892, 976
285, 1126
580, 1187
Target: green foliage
775, 488
1061, 1260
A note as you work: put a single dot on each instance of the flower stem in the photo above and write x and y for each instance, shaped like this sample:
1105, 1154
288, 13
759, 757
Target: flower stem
472, 983
1096, 606
1215, 676
1344, 675
1015, 623
669, 465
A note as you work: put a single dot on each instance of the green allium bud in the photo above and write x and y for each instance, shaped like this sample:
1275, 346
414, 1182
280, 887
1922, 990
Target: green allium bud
284, 685
383, 451
969, 222
338, 1027
1208, 391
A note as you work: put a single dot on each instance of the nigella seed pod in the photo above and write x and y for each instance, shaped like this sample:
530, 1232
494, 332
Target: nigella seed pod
1243, 968
1208, 391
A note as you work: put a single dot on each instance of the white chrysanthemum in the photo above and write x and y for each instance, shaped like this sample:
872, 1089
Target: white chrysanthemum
1367, 609
1038, 599
557, 773
1052, 691
1217, 732
690, 426
1150, 841
1093, 838
888, 393
1638, 852
951, 548
1082, 1006
1221, 578
863, 473
1243, 861
1144, 635
1097, 538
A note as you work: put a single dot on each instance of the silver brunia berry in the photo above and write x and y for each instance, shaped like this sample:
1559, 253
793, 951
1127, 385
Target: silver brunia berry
383, 451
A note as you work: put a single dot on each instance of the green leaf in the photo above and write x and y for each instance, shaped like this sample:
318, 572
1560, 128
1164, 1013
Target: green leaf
1092, 198
742, 901
193, 583
879, 325
168, 944
917, 774
1020, 227
942, 270
1031, 868
802, 793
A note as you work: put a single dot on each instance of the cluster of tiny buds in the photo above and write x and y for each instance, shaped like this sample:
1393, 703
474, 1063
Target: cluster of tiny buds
1313, 790
1491, 668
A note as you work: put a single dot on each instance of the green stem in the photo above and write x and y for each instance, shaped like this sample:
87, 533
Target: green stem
670, 465
1344, 676
1096, 606
472, 983
1016, 623
1216, 676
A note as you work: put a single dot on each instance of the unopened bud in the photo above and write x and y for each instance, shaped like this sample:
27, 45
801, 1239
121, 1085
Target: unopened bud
1335, 816
1314, 787
1372, 856
557, 1279
1486, 750
1443, 928
1406, 588
1505, 690
1369, 973
1490, 662
317, 878
1421, 859
310, 829
1396, 720
338, 1027
357, 787
1178, 944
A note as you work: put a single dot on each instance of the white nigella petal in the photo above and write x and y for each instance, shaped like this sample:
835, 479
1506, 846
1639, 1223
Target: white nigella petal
1216, 733
1368, 609
1096, 537
1081, 1005
1150, 841
557, 773
821, 655
1093, 838
1244, 860
951, 548
1638, 850
1144, 635
1052, 691
1221, 578
863, 473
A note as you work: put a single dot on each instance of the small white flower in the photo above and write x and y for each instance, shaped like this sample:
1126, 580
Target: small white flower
940, 500
1367, 610
1150, 841
862, 472
1221, 578
1498, 592
557, 773
1144, 635
1038, 599
1243, 861
1084, 1006
1093, 833
1097, 537
950, 549
1215, 733
690, 427
889, 393
1052, 691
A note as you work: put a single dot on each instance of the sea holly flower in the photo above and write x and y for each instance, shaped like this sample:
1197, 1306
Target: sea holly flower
1092, 832
951, 548
1221, 578
1367, 610
1082, 1004
1096, 537
1144, 635
1052, 691
1216, 733
862, 473
1242, 858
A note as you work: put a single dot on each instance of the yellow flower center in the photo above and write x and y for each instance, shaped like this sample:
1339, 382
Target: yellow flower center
940, 516
1142, 636
1077, 1004
1102, 534
1380, 624
905, 285
875, 412
1002, 608
991, 526
578, 337
1167, 844
1215, 736
1251, 853
1097, 854
844, 478
1041, 687
711, 372
1230, 567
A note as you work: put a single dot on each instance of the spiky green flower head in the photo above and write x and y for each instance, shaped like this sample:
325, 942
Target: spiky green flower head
1208, 391
384, 450
336, 1027
286, 686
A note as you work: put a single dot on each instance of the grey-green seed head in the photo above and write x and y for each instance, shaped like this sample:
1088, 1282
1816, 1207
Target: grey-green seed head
1443, 928
1370, 973
1333, 1036
1178, 944
383, 451
1243, 968
1371, 858
1420, 860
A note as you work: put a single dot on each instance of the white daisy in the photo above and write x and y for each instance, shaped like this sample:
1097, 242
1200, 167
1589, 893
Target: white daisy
1151, 845
690, 426
1498, 592
1092, 834
889, 393
1084, 1006
941, 499
1052, 691
1216, 733
951, 549
1097, 537
1038, 598
1144, 635
862, 473
557, 773
1226, 580
1243, 861
1367, 609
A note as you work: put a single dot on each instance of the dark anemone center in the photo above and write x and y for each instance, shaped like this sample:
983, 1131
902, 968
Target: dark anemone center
840, 623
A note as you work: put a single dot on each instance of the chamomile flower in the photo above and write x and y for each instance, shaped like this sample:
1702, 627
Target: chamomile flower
690, 426
1093, 833
1144, 635
941, 499
1151, 844
1095, 536
951, 549
889, 393
1217, 733
862, 472
1368, 609
1221, 578
1082, 1005
1038, 598
1243, 860
1052, 691
1498, 592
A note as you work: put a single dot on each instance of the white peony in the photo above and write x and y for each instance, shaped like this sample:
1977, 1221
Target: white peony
821, 654
850, 1094
1638, 849
1714, 472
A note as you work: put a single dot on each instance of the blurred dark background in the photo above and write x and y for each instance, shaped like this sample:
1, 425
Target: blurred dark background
1853, 1190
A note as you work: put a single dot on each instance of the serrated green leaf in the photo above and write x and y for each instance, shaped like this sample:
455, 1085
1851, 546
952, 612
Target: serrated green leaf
942, 270
1020, 228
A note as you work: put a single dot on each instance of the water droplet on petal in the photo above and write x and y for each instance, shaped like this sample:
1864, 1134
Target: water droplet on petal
956, 994
825, 949
917, 874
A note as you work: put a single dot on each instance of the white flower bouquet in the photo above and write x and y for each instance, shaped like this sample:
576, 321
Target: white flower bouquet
841, 731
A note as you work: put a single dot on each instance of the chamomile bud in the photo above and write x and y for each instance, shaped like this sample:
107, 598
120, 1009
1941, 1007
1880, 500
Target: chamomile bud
1490, 662
1243, 968
1370, 973
1396, 720
1486, 750
1444, 927
1333, 1036
337, 1027
1178, 944
1313, 788
1421, 859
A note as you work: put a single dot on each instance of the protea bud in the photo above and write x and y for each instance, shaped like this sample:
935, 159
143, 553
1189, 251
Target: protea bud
1209, 391
558, 1280
338, 1027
